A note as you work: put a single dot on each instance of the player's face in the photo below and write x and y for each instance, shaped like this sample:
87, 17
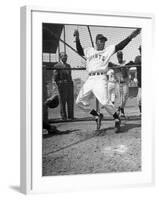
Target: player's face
100, 44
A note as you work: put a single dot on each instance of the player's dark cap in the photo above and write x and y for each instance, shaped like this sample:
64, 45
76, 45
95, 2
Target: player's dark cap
101, 37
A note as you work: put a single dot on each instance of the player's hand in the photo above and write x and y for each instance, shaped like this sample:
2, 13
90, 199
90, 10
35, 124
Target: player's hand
135, 33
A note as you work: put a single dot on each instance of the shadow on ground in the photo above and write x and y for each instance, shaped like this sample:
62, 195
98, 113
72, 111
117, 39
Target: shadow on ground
60, 133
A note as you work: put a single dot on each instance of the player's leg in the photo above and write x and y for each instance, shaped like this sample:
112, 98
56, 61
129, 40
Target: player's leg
112, 93
125, 95
100, 91
117, 94
120, 98
62, 94
84, 96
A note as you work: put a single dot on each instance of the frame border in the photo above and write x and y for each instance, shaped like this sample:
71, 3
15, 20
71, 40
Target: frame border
26, 83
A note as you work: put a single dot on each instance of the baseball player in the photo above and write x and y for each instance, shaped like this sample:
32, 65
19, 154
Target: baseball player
97, 65
123, 83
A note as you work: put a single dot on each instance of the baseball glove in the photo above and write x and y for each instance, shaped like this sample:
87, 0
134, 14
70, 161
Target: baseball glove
52, 102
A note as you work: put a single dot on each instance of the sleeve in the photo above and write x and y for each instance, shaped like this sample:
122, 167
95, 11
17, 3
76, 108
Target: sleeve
122, 44
87, 51
79, 48
110, 51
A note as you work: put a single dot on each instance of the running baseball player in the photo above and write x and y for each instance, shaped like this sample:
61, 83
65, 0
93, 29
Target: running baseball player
97, 65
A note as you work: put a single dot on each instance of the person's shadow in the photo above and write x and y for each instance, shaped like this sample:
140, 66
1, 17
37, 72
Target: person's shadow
60, 133
110, 130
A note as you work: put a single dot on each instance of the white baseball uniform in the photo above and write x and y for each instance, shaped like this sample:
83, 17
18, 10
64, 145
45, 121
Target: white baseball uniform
122, 86
97, 66
111, 85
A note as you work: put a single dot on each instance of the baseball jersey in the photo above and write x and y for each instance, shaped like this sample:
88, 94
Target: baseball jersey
97, 61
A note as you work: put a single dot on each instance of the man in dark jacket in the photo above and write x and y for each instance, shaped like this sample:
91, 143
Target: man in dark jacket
63, 79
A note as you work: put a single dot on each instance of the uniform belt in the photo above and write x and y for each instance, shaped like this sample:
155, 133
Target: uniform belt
96, 73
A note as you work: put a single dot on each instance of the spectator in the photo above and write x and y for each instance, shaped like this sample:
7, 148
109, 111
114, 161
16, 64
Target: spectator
64, 82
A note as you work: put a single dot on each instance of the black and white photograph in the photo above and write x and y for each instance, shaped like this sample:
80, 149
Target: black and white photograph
91, 99
85, 121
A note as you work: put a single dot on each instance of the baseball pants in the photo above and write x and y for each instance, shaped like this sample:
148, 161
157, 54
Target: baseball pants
96, 85
123, 94
111, 91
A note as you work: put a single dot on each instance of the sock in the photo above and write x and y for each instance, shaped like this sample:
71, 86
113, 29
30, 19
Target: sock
140, 108
94, 113
116, 116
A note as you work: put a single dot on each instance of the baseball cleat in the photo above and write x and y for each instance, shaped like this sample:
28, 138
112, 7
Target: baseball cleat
98, 121
117, 125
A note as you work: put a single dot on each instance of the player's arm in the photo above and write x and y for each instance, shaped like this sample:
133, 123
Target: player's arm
124, 42
78, 43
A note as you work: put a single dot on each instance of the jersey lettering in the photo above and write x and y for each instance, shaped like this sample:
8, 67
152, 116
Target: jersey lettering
98, 57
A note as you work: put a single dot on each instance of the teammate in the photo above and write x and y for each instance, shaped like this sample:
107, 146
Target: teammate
123, 83
97, 65
64, 82
138, 62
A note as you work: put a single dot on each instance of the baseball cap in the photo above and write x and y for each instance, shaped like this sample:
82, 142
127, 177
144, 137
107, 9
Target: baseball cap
101, 37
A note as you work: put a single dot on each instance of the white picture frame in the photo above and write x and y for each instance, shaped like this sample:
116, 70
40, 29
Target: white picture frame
31, 172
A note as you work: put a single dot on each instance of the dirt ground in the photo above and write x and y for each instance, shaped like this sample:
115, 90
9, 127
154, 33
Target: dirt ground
79, 149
